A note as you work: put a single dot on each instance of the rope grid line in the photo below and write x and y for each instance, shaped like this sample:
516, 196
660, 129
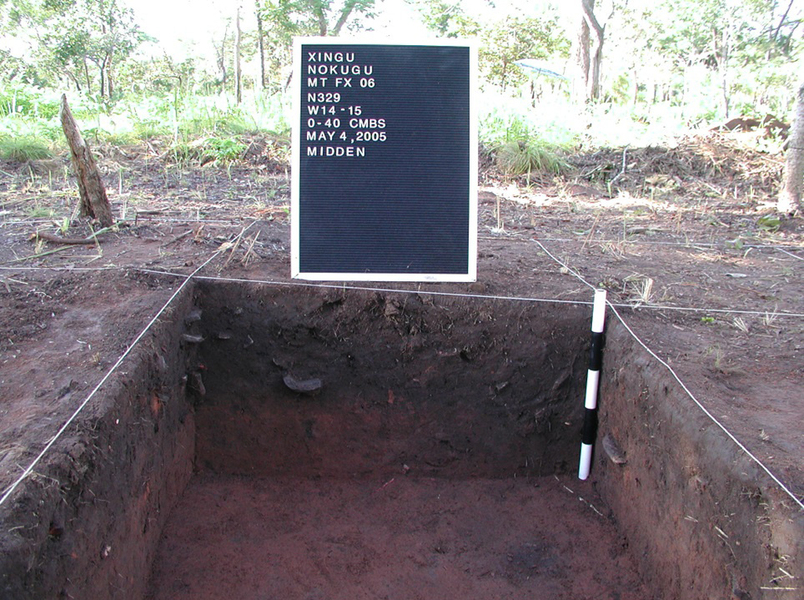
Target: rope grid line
526, 299
194, 275
462, 295
111, 371
796, 256
697, 402
638, 306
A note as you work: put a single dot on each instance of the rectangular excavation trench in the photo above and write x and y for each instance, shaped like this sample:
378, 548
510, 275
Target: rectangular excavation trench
437, 460
422, 468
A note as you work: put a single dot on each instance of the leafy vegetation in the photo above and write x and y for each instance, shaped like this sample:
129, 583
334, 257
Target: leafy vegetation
668, 66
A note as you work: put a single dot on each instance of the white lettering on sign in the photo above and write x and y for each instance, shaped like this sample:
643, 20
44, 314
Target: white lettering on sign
323, 110
323, 97
337, 70
331, 56
367, 123
322, 69
348, 151
317, 136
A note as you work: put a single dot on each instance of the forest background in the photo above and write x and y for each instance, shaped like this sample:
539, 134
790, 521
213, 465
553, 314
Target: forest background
597, 73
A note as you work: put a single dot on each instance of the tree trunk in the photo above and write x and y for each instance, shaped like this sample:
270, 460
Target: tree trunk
86, 76
790, 196
581, 54
260, 45
774, 34
322, 20
588, 54
75, 81
722, 51
597, 33
238, 72
109, 80
344, 16
222, 59
93, 200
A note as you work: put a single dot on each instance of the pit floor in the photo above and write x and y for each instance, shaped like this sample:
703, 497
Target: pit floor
401, 538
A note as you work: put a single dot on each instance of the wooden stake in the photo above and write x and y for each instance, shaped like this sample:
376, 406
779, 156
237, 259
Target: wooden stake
94, 202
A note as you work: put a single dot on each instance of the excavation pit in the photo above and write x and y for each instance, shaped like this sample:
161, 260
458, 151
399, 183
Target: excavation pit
302, 442
423, 466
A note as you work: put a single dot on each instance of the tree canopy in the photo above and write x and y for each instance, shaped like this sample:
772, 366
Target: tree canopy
79, 40
711, 58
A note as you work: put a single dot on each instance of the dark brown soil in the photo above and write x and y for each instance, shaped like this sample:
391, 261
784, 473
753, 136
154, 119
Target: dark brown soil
678, 241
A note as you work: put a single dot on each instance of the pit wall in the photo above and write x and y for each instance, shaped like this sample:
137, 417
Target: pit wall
700, 517
410, 383
87, 523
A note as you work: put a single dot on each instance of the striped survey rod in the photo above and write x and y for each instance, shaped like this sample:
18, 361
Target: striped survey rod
592, 380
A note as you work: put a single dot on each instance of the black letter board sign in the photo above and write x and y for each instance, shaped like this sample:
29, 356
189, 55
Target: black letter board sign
384, 161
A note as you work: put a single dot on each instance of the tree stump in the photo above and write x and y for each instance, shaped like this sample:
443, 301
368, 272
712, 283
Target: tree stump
93, 200
792, 190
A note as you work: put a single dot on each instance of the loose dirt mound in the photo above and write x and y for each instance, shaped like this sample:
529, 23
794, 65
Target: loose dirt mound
703, 165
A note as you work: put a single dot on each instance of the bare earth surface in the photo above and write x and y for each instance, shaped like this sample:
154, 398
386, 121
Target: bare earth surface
677, 240
404, 538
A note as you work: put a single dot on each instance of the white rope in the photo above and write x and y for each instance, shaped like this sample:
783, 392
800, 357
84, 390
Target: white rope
510, 298
686, 389
109, 373
332, 286
634, 306
709, 414
194, 275
565, 266
789, 253
727, 311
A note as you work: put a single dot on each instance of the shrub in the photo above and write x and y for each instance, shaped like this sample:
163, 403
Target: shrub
224, 149
208, 149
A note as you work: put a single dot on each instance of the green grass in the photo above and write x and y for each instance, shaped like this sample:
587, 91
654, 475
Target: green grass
22, 149
33, 114
519, 144
526, 156
522, 137
569, 128
224, 150
149, 129
40, 212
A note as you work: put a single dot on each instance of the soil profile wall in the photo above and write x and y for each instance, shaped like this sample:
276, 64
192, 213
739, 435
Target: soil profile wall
87, 523
430, 385
700, 516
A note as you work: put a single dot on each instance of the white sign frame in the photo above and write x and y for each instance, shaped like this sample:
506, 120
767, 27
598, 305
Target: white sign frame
296, 273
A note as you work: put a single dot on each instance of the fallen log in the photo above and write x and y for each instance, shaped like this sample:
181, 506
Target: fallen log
56, 239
